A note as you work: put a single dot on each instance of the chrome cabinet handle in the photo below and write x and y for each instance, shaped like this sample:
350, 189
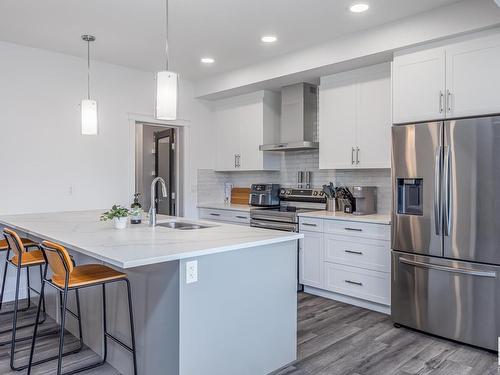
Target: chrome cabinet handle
352, 155
447, 187
354, 282
441, 100
448, 100
239, 160
310, 225
354, 252
235, 160
212, 214
357, 155
354, 229
437, 189
437, 267
241, 217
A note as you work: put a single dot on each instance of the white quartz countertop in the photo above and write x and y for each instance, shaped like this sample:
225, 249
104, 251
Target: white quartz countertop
375, 218
226, 206
140, 245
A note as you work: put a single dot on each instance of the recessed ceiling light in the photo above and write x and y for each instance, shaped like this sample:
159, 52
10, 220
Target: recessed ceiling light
207, 60
269, 39
359, 7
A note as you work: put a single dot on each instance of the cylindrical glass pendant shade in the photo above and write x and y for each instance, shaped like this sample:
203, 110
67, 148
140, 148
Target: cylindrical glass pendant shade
89, 117
166, 95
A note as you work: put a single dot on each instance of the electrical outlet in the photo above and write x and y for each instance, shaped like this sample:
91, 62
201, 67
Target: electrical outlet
191, 271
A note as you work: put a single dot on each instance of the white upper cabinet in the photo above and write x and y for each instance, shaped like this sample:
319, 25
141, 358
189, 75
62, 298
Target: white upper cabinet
473, 77
355, 119
418, 82
454, 80
243, 123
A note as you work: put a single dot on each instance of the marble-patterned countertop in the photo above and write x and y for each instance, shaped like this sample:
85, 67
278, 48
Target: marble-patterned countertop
139, 245
226, 206
375, 218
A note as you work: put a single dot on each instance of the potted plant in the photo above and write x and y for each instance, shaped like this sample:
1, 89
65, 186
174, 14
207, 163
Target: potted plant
119, 216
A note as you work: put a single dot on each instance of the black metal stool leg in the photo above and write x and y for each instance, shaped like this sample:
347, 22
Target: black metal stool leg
132, 330
104, 324
4, 278
79, 312
14, 321
61, 337
33, 340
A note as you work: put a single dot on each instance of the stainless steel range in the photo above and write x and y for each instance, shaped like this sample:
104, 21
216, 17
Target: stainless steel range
285, 216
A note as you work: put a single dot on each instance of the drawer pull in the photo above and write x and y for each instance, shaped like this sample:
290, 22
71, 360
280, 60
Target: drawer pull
354, 229
353, 282
354, 252
214, 214
241, 217
310, 224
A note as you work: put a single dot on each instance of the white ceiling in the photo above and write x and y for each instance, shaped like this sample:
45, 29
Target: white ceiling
131, 32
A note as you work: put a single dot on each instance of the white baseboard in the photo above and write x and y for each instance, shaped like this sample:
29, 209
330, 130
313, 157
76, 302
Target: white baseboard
384, 309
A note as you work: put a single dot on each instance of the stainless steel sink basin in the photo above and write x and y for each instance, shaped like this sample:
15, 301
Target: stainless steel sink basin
182, 225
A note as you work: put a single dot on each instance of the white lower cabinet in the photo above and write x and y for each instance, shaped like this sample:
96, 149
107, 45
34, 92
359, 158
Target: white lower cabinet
226, 216
346, 260
311, 259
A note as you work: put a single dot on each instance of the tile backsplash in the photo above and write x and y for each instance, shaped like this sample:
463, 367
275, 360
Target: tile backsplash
210, 184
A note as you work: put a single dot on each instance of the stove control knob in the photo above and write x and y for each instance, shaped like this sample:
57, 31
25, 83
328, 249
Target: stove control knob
288, 192
282, 191
315, 193
321, 193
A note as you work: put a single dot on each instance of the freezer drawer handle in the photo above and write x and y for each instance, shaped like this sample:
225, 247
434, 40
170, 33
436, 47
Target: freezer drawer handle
354, 229
354, 252
353, 282
462, 271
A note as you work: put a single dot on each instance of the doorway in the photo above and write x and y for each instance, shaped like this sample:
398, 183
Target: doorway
157, 155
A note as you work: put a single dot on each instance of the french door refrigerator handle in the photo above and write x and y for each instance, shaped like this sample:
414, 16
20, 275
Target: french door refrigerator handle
447, 187
437, 189
463, 271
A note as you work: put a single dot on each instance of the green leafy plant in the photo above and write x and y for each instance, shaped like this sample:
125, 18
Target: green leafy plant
115, 212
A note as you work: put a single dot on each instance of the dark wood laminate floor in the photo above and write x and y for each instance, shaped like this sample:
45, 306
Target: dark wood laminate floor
337, 339
334, 339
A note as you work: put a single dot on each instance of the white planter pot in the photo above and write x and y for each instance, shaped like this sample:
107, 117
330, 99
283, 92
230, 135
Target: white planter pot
120, 222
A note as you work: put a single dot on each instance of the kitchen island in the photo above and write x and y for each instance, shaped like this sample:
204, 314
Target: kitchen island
237, 315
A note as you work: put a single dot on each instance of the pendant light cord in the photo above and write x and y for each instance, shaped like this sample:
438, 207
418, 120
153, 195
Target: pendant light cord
88, 69
166, 34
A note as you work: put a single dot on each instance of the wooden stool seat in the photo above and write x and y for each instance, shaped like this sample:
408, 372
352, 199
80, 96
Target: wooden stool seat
88, 274
29, 258
26, 242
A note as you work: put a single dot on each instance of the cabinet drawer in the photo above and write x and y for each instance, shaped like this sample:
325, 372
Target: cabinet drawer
356, 229
357, 282
358, 252
239, 217
213, 214
310, 225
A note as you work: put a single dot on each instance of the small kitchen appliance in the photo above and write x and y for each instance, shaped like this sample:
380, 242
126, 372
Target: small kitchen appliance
365, 198
264, 195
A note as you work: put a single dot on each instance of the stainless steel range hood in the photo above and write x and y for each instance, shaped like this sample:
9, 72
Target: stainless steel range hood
299, 119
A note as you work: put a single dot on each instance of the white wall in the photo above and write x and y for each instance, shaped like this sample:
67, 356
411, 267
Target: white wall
47, 165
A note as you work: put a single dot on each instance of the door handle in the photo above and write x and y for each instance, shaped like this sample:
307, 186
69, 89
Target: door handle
441, 97
437, 190
447, 187
462, 271
357, 155
448, 100
352, 155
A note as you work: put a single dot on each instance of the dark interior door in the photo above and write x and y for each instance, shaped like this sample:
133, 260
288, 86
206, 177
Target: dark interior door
165, 165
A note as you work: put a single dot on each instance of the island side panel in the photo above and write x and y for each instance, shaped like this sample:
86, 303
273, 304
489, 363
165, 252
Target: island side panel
240, 317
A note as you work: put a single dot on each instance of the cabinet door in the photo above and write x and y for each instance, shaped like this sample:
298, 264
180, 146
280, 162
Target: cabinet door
473, 77
337, 121
250, 121
373, 124
311, 259
227, 138
419, 86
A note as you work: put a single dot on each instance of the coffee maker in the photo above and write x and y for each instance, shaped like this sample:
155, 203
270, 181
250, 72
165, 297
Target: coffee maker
365, 198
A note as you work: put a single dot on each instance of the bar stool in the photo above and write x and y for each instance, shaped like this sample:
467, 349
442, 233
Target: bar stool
66, 277
21, 260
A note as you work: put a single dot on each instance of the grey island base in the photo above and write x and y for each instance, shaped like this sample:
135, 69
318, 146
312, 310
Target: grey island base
238, 317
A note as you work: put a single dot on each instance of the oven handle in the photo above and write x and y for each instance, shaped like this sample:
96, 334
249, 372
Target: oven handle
274, 225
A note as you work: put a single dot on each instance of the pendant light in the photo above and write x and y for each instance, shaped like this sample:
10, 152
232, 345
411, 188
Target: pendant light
166, 85
89, 106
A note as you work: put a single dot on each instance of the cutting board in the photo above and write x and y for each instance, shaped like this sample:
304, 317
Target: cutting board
240, 195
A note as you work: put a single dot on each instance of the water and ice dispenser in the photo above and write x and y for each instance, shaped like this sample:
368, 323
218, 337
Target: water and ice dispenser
410, 196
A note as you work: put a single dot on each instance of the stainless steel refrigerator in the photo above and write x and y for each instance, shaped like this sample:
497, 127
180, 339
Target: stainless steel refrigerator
446, 229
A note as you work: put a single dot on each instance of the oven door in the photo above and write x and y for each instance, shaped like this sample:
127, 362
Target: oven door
276, 225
